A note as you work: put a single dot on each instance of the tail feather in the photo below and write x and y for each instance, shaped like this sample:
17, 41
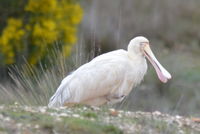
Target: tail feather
59, 98
61, 95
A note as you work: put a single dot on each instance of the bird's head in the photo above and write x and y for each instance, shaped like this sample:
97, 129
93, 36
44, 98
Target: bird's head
139, 47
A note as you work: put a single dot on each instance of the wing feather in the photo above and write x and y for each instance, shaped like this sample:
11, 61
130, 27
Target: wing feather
100, 77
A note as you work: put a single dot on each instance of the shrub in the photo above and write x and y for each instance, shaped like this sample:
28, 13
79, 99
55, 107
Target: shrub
40, 25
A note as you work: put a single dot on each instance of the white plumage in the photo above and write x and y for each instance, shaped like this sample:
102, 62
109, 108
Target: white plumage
109, 77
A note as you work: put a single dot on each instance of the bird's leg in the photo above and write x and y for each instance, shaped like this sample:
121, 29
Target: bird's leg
111, 99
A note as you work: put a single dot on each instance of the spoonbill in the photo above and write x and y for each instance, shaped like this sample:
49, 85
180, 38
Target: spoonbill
110, 77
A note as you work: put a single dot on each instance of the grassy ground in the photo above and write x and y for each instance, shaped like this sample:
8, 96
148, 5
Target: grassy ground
90, 120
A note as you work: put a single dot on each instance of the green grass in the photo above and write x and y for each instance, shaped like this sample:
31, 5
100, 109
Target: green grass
88, 121
89, 114
2, 129
77, 126
49, 123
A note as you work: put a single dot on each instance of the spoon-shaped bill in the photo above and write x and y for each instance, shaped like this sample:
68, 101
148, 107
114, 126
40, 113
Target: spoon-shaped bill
162, 73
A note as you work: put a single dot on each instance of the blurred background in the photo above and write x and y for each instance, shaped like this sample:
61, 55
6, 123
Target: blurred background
41, 41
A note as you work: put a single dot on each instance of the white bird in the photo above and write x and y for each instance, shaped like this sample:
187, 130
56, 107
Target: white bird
109, 77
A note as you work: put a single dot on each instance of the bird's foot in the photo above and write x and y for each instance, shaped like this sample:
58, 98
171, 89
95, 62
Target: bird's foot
114, 99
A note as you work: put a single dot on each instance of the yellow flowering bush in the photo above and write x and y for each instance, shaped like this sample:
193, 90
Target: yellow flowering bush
44, 22
11, 40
